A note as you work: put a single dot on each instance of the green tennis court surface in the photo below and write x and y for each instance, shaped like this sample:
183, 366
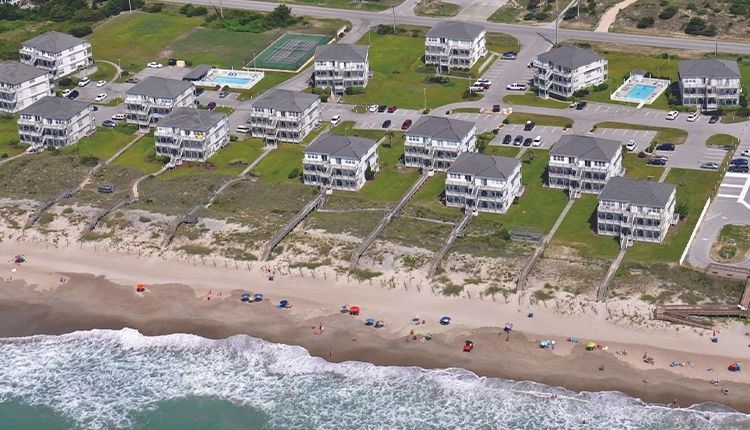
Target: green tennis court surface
289, 52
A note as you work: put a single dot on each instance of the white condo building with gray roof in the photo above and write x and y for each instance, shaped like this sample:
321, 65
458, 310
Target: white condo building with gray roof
483, 183
434, 143
190, 134
54, 122
339, 162
340, 66
709, 83
58, 53
154, 98
284, 116
562, 71
454, 45
583, 164
21, 85
636, 210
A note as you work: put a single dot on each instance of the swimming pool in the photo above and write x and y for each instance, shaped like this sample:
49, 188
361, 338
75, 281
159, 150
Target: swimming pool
229, 80
239, 79
641, 92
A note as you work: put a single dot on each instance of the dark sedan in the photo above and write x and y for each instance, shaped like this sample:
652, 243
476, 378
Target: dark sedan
507, 139
665, 147
386, 123
527, 141
517, 141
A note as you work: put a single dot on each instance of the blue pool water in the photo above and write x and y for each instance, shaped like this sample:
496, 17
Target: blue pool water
231, 80
641, 92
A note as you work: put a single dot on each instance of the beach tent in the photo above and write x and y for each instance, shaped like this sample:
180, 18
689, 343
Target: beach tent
735, 367
284, 304
354, 310
345, 309
445, 320
591, 346
468, 346
370, 321
545, 344
380, 324
18, 259
245, 297
257, 297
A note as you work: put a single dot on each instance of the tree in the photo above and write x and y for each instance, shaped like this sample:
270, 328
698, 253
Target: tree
281, 16
81, 31
699, 27
668, 12
369, 174
645, 22
681, 209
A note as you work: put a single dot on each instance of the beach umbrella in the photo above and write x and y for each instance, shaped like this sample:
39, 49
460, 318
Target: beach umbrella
591, 346
354, 310
140, 288
445, 320
18, 259
735, 367
245, 297
258, 297
508, 327
380, 324
283, 304
345, 309
370, 321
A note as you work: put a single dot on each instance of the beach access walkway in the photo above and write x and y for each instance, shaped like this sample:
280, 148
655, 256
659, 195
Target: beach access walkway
457, 229
317, 202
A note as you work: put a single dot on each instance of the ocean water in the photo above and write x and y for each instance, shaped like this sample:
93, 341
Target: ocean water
105, 379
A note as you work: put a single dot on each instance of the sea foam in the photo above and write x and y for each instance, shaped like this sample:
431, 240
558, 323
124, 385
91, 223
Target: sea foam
104, 379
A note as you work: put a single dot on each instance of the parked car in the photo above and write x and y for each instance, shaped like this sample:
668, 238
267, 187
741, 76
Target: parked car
73, 94
66, 92
386, 123
172, 62
100, 97
693, 117
537, 141
406, 124
336, 120
735, 168
581, 105
223, 93
665, 147
154, 65
392, 109
657, 161
84, 81
713, 119
381, 108
529, 126
211, 105
527, 141
630, 146
372, 108
243, 129
109, 123
518, 140
672, 115
507, 139
515, 86
483, 82
476, 88
710, 166
94, 108
132, 80
745, 153
118, 117
101, 83
495, 108
738, 162
509, 55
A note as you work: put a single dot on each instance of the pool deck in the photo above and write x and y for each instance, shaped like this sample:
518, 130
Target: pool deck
251, 78
623, 93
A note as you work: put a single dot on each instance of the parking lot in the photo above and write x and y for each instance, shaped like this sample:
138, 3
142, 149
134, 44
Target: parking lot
549, 134
642, 138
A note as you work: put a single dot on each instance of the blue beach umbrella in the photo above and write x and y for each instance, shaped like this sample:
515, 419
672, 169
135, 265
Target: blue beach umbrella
258, 297
245, 297
445, 320
370, 321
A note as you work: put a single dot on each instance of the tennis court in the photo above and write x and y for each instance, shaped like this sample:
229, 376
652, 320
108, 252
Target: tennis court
289, 52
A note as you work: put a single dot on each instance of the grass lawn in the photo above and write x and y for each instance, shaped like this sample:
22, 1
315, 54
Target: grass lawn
348, 4
551, 120
723, 140
399, 76
428, 202
139, 156
277, 165
270, 80
467, 110
663, 134
732, 244
503, 151
113, 39
102, 144
436, 8
501, 42
220, 48
231, 160
9, 137
693, 188
530, 99
578, 231
346, 128
393, 179
104, 71
637, 168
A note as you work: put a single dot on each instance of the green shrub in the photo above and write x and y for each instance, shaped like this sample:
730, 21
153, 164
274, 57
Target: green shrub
293, 174
645, 22
355, 90
89, 160
80, 30
668, 12
65, 82
699, 27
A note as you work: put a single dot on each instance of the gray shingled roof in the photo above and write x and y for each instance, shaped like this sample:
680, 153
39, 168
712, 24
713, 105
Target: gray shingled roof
709, 68
59, 108
456, 30
335, 145
198, 73
586, 147
637, 192
15, 73
53, 41
441, 128
162, 88
285, 100
191, 119
341, 52
569, 57
484, 166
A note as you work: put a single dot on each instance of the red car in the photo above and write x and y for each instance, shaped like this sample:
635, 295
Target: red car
406, 125
211, 106
391, 109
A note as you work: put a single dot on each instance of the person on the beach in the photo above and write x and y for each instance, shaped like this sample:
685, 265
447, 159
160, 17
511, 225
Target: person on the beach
601, 368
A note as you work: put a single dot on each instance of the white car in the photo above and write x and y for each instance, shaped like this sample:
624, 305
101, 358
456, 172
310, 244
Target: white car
537, 141
372, 108
672, 115
154, 65
335, 120
484, 81
118, 117
84, 81
630, 146
243, 129
100, 97
745, 153
515, 86
101, 83
66, 92
692, 117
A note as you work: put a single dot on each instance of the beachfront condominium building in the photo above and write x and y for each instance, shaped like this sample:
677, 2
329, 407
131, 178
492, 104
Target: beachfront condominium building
54, 122
435, 142
562, 71
58, 53
339, 162
154, 98
709, 83
583, 164
190, 134
636, 210
21, 85
454, 45
340, 66
483, 183
284, 116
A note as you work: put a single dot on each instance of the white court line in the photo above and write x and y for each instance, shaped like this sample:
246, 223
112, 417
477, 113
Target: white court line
728, 196
737, 175
732, 186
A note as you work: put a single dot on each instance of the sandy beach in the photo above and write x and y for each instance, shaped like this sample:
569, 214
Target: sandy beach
79, 287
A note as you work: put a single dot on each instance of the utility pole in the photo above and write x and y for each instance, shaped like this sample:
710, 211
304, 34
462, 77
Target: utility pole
393, 8
716, 50
557, 22
424, 90
130, 6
